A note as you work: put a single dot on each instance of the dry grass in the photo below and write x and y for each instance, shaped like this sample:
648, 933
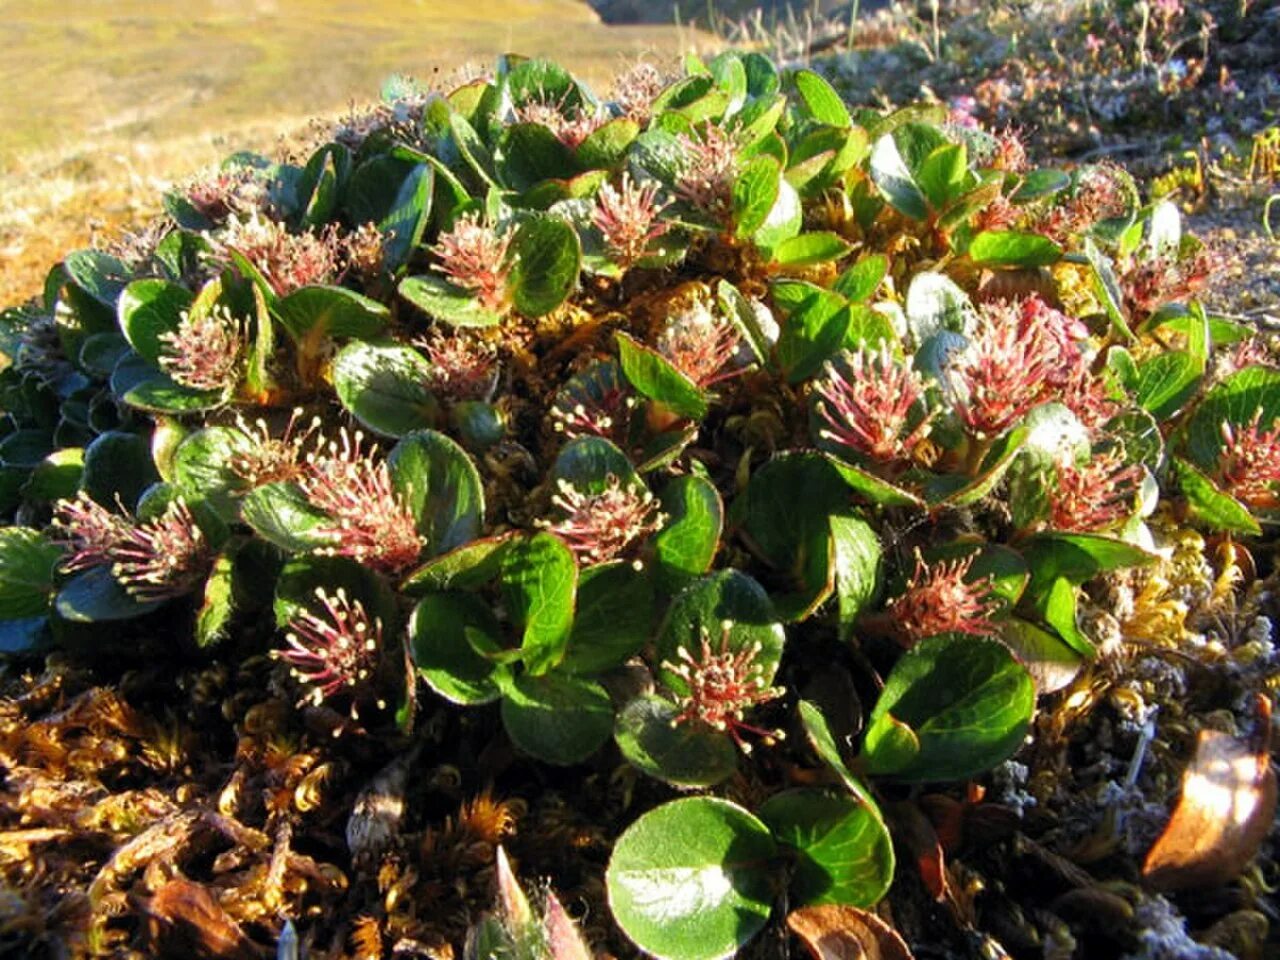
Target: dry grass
102, 105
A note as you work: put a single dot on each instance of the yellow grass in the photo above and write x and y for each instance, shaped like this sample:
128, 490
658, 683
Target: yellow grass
103, 103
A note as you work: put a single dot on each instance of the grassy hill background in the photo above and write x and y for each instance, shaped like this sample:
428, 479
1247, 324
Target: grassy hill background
105, 101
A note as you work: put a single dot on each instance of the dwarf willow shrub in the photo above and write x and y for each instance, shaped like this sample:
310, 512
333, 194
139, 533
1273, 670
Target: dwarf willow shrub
695, 384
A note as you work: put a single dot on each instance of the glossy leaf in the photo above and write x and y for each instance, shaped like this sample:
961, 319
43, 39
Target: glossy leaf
964, 701
443, 655
556, 718
548, 259
442, 487
539, 581
27, 564
681, 754
844, 853
692, 879
384, 386
654, 377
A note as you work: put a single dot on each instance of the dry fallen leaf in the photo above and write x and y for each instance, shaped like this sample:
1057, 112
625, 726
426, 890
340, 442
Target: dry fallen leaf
913, 830
186, 921
1226, 808
835, 931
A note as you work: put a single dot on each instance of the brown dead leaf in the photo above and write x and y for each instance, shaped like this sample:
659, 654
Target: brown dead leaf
186, 921
913, 830
834, 931
1225, 810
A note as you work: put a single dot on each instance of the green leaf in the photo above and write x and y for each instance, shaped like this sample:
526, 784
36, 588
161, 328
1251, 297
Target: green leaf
692, 879
442, 487
687, 543
539, 583
117, 466
875, 490
27, 565
216, 606
281, 514
557, 719
56, 476
858, 558
818, 732
844, 851
586, 463
1009, 248
820, 101
384, 386
654, 377
548, 260
965, 700
793, 534
529, 153
149, 309
467, 567
812, 335
613, 619
406, 221
784, 220
310, 314
473, 150
1057, 607
445, 658
1039, 184
95, 596
810, 248
685, 755
301, 578
1078, 557
942, 174
1253, 391
157, 392
1211, 505
1051, 662
201, 468
606, 146
441, 300
98, 274
895, 181
703, 609
1107, 289
860, 282
755, 191
1166, 381
934, 304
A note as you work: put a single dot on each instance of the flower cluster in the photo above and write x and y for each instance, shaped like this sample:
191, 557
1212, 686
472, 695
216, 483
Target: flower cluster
634, 91
595, 404
463, 366
1249, 465
1095, 494
710, 165
334, 652
701, 345
155, 560
373, 521
721, 686
1006, 370
940, 598
627, 218
604, 526
206, 351
474, 255
266, 459
869, 403
286, 260
219, 194
571, 125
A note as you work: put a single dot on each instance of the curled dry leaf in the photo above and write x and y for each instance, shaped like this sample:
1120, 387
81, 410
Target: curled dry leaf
916, 833
835, 931
1226, 808
186, 920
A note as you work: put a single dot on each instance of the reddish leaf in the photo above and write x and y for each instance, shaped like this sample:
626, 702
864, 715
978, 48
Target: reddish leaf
1226, 808
913, 830
836, 931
